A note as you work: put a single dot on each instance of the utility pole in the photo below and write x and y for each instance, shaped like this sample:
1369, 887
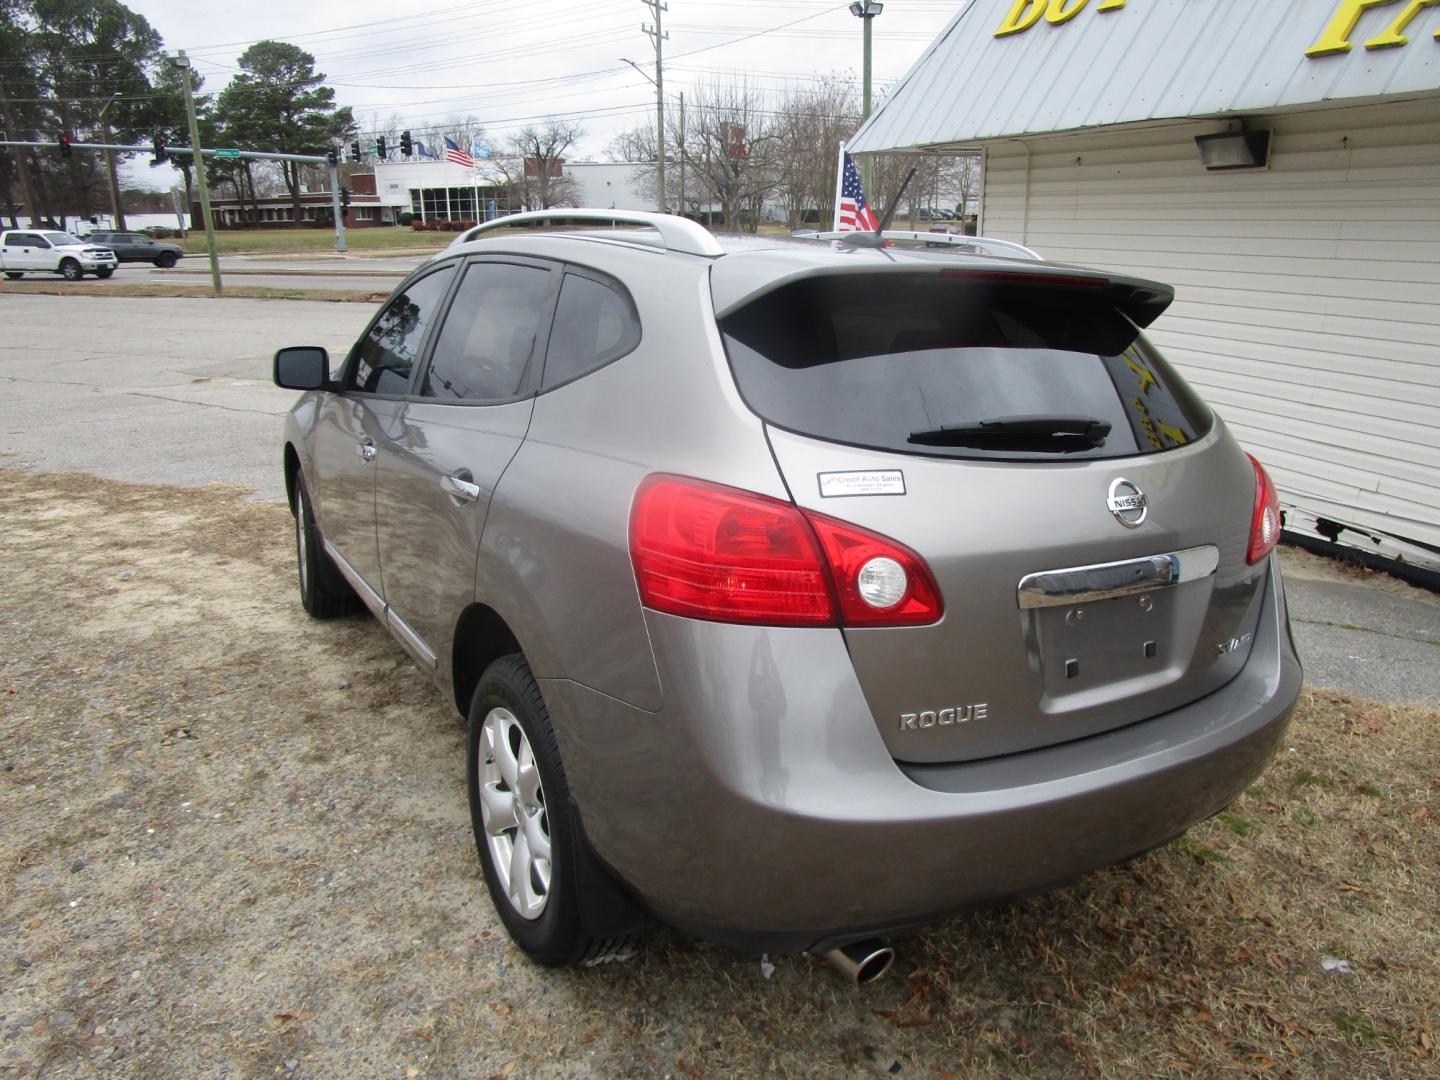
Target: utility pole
183, 62
865, 11
658, 33
117, 212
32, 203
682, 153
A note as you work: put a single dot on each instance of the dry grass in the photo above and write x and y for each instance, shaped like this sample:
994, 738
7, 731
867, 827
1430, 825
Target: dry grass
234, 292
235, 843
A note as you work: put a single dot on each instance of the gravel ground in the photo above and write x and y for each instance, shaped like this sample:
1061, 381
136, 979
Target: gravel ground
234, 843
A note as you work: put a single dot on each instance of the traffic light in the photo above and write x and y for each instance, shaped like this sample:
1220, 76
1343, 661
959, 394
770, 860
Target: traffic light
345, 198
157, 146
406, 146
65, 150
380, 147
332, 157
355, 150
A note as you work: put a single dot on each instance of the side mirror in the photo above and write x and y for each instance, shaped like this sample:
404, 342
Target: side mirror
302, 367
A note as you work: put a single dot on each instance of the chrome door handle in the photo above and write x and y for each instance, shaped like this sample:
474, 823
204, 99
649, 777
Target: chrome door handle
460, 489
366, 450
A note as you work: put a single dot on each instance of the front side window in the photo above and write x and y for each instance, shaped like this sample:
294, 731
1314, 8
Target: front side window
594, 324
488, 341
387, 353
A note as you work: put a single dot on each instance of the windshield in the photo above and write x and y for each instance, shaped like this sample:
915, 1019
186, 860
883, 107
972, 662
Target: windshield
60, 239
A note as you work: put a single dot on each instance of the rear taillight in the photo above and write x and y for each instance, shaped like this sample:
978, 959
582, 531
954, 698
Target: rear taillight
706, 551
1265, 521
878, 582
712, 552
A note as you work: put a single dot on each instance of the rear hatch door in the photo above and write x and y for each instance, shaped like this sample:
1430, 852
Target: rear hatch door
1084, 514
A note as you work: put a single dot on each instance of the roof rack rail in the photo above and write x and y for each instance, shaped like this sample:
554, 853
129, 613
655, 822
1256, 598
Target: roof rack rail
677, 233
936, 239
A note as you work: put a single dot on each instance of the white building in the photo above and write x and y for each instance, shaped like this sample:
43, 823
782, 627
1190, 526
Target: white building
442, 190
1307, 283
606, 185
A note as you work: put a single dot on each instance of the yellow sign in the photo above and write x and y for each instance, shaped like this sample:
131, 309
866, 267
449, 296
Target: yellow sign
1336, 38
1026, 13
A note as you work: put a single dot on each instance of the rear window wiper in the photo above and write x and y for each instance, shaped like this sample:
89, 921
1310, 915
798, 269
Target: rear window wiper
1055, 433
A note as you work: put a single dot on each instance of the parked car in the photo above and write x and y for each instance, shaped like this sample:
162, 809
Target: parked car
137, 247
794, 596
46, 251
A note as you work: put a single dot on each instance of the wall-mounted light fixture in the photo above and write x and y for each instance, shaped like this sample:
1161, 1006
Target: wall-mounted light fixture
1234, 150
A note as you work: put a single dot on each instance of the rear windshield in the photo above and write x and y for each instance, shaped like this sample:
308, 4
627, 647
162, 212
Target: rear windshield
956, 368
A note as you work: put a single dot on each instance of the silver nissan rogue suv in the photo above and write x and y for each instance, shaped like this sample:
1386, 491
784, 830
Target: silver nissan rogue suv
795, 592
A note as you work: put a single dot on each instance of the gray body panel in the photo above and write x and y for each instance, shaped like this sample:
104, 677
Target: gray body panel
427, 537
982, 526
751, 782
342, 480
783, 822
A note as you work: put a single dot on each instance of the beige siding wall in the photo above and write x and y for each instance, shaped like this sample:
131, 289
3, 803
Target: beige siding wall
1307, 295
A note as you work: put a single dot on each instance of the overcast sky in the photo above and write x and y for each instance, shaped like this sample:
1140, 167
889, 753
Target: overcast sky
512, 62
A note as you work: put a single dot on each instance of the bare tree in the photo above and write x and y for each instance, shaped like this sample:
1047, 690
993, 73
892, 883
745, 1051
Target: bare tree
812, 125
535, 167
732, 150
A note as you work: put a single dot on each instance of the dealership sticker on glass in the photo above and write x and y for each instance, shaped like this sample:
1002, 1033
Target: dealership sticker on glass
834, 485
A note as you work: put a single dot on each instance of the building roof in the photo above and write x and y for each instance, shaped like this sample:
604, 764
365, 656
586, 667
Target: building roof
1006, 68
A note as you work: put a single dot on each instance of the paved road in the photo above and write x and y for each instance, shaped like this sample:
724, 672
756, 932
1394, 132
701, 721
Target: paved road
179, 392
171, 391
1377, 637
358, 274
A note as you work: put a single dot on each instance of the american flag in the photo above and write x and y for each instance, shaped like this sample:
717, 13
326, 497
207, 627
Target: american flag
455, 154
854, 214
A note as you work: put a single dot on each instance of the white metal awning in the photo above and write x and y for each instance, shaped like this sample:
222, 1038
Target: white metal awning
1008, 68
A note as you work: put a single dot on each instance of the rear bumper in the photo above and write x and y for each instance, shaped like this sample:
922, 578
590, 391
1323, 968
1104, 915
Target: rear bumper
759, 807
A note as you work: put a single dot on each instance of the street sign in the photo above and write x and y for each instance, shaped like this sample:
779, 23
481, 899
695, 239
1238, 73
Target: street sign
227, 153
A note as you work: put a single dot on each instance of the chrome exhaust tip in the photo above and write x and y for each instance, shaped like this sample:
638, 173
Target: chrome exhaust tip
862, 962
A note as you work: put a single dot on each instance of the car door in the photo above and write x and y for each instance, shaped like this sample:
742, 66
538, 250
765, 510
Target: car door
27, 251
354, 427
459, 431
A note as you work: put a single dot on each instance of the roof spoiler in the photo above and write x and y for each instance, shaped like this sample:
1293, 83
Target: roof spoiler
1140, 300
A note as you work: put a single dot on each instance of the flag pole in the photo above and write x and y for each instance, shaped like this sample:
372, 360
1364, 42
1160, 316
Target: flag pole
839, 183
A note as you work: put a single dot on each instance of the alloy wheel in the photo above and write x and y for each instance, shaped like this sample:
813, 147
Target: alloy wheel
512, 808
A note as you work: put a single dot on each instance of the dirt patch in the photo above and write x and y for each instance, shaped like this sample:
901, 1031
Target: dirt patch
235, 843
232, 292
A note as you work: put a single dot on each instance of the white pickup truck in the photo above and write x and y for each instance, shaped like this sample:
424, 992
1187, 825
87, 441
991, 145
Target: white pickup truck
45, 251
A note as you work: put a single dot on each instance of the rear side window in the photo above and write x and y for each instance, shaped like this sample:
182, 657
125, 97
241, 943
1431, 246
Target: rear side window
595, 323
956, 368
388, 350
488, 341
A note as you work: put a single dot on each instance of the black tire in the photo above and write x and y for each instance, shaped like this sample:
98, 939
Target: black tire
104, 271
166, 261
324, 592
558, 937
14, 275
71, 270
